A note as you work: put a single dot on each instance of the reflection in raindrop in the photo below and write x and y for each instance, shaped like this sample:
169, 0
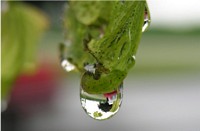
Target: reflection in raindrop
147, 19
67, 65
101, 106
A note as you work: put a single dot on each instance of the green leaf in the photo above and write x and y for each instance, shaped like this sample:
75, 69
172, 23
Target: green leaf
81, 20
120, 42
113, 53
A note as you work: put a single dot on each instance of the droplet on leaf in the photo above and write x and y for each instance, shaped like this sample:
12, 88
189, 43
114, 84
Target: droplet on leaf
147, 19
90, 67
67, 65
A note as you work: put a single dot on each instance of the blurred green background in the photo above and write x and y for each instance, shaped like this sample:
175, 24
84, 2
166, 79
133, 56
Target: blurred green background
161, 92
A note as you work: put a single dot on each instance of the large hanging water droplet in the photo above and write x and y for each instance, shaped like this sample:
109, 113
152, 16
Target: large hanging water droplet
67, 65
147, 19
101, 106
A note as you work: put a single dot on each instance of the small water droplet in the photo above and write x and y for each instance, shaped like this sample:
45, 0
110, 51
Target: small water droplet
118, 58
90, 67
101, 106
67, 65
134, 57
147, 19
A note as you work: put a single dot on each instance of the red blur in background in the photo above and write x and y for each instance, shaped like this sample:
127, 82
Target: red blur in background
31, 90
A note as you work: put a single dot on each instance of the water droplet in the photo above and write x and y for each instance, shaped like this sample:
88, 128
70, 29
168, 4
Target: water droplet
101, 106
118, 58
134, 57
64, 62
67, 65
147, 19
90, 67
